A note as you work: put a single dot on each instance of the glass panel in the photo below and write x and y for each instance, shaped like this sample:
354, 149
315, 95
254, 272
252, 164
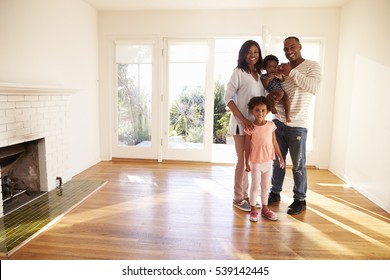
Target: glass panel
187, 96
134, 94
184, 52
225, 56
134, 54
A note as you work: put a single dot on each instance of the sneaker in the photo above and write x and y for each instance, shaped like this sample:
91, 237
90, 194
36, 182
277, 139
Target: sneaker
258, 205
269, 214
273, 197
253, 216
296, 207
243, 205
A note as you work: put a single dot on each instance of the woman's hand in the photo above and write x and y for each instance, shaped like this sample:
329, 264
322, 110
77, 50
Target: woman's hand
247, 124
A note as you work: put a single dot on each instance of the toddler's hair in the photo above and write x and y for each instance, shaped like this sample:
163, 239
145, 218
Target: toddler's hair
270, 57
257, 100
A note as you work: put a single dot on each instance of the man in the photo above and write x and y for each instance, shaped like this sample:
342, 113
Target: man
302, 80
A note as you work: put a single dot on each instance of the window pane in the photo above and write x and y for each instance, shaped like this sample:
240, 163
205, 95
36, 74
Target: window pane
134, 91
188, 52
134, 54
187, 77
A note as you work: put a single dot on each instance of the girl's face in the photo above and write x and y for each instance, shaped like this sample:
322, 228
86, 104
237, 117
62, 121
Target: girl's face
271, 67
260, 112
252, 56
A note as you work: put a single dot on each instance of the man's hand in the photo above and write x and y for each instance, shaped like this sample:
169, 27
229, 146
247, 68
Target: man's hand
284, 69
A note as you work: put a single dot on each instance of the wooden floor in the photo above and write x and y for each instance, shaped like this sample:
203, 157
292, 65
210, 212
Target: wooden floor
183, 211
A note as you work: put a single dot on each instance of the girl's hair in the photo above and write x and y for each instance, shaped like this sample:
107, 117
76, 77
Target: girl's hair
270, 57
244, 50
257, 100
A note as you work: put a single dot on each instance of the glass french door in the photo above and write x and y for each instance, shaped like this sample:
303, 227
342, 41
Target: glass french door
163, 105
188, 100
135, 101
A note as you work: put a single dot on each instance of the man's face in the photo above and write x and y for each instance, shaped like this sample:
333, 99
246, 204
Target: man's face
292, 50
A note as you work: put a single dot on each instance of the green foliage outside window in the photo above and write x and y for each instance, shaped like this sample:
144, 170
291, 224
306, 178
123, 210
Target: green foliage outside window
186, 113
221, 117
133, 116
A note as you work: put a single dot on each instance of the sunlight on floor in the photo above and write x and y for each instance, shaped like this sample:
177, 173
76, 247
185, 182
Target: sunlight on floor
333, 185
361, 225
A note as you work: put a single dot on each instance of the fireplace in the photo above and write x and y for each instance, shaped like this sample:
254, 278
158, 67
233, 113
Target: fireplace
21, 167
37, 114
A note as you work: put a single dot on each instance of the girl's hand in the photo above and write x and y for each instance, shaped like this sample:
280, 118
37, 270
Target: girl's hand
248, 167
281, 163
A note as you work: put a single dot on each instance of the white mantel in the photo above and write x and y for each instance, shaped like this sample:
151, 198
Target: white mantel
26, 89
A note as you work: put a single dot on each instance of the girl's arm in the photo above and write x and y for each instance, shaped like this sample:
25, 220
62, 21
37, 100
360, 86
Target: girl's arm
277, 150
247, 152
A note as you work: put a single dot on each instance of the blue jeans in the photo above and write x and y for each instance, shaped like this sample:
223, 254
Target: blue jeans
291, 139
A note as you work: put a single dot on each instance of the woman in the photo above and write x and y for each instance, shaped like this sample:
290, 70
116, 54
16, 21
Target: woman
244, 84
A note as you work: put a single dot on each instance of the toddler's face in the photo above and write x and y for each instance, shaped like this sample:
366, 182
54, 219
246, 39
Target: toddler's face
271, 67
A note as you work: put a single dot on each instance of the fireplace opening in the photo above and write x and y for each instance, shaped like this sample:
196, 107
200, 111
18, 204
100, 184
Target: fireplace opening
20, 175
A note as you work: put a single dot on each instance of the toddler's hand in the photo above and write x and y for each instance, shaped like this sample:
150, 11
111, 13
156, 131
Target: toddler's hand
279, 76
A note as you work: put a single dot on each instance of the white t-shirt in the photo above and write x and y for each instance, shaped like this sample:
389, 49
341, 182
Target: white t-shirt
241, 88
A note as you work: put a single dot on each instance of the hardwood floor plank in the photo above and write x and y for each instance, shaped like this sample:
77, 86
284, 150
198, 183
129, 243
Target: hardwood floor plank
150, 210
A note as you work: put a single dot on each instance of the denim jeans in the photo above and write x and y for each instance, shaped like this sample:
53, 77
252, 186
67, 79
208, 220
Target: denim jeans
291, 139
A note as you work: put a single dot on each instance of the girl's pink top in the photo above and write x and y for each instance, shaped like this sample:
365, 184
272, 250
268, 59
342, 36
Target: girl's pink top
262, 147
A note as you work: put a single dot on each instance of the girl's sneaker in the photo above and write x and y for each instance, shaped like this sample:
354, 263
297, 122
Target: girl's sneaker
269, 214
253, 216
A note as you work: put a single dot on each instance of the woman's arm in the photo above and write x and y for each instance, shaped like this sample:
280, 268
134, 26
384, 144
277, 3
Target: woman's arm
247, 124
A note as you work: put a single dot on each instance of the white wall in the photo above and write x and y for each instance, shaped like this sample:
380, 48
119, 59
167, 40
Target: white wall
361, 132
54, 43
320, 23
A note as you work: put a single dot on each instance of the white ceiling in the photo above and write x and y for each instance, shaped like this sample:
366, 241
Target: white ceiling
122, 5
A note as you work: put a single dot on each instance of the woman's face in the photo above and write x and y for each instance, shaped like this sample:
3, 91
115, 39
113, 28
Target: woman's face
252, 56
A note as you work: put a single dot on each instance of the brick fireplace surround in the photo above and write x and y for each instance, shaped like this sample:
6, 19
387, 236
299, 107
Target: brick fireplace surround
38, 113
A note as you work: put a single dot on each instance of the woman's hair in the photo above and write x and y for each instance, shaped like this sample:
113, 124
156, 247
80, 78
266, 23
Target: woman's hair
270, 57
241, 61
257, 100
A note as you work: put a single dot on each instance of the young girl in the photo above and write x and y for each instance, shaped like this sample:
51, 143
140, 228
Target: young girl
260, 148
272, 83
